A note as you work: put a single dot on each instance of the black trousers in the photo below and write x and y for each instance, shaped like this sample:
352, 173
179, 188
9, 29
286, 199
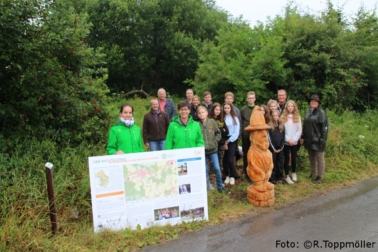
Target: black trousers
228, 160
293, 150
277, 173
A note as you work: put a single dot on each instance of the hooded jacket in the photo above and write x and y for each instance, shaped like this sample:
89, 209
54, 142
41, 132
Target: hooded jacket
124, 138
315, 129
183, 136
211, 135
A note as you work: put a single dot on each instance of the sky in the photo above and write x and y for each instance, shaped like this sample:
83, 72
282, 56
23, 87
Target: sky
259, 10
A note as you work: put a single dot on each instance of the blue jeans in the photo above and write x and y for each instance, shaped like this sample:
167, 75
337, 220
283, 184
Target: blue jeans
157, 145
213, 157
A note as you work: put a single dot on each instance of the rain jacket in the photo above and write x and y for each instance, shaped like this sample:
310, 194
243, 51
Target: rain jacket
183, 136
315, 129
124, 138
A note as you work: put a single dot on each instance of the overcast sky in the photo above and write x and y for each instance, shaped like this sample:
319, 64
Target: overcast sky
259, 10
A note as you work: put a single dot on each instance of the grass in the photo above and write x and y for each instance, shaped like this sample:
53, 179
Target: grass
24, 212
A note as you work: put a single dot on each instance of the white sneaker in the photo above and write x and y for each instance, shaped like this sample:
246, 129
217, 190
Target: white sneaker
210, 188
227, 180
288, 180
294, 176
232, 181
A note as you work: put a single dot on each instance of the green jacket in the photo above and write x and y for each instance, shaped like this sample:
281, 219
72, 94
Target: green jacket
183, 136
124, 138
315, 129
211, 135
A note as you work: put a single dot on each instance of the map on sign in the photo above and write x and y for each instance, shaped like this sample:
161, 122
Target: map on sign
150, 180
103, 179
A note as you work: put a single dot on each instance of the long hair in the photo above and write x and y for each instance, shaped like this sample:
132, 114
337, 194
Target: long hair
212, 115
270, 102
267, 115
296, 116
273, 124
232, 112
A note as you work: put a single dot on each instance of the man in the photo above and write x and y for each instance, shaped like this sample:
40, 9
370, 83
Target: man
281, 97
155, 127
207, 101
246, 112
189, 95
166, 105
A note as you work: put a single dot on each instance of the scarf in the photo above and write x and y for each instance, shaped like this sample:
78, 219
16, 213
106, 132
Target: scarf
128, 123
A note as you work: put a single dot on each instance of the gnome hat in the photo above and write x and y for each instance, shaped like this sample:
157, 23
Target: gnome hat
257, 121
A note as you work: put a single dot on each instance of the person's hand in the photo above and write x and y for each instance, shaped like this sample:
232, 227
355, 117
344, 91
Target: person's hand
301, 141
225, 146
291, 142
147, 144
119, 152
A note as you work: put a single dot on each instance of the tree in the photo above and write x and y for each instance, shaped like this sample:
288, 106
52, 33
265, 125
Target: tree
152, 44
53, 82
241, 59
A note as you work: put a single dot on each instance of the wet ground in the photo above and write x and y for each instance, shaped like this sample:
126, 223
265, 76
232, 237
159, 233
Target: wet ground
346, 220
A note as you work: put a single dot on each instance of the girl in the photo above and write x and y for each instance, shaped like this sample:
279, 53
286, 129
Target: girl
276, 138
125, 136
211, 136
216, 113
233, 125
293, 130
272, 106
264, 111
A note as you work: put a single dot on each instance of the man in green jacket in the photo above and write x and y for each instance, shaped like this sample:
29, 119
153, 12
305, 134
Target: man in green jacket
183, 131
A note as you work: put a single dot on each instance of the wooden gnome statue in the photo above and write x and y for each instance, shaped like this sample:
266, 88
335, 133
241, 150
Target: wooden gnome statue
260, 164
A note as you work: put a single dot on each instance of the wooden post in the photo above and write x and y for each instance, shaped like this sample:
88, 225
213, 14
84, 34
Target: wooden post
50, 190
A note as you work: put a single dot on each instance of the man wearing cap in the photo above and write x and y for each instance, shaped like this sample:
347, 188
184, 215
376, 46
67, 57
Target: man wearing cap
166, 105
314, 138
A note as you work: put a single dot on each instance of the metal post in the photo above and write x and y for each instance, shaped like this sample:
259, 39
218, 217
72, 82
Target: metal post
50, 190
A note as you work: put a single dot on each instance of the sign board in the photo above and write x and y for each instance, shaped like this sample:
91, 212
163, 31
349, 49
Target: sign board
148, 188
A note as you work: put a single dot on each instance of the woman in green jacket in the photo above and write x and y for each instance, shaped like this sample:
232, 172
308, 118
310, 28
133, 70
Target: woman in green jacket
183, 131
125, 136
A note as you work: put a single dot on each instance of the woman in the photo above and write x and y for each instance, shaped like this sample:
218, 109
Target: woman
183, 131
293, 131
233, 125
125, 136
314, 138
217, 114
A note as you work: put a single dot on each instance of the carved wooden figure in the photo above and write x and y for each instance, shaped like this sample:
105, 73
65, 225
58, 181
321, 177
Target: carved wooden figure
260, 164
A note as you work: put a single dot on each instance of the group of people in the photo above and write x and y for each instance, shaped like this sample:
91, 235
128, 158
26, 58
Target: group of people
218, 127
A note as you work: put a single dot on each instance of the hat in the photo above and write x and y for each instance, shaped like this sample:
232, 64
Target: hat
314, 97
257, 121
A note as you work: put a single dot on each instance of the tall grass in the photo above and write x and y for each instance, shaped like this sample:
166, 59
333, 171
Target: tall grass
24, 212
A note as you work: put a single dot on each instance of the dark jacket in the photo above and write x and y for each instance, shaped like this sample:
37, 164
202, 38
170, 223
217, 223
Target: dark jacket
246, 113
169, 108
207, 106
211, 135
315, 129
276, 139
224, 132
193, 112
155, 130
